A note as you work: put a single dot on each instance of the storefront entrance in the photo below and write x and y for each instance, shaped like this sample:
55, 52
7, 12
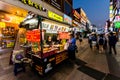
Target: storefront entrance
10, 18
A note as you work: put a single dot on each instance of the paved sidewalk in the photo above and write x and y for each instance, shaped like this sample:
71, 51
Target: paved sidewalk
114, 61
90, 65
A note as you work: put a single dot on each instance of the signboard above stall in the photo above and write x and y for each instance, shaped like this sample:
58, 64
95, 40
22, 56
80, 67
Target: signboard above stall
54, 27
55, 16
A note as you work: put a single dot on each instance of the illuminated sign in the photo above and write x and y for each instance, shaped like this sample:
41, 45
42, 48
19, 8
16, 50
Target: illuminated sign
2, 24
33, 4
64, 35
67, 19
54, 27
117, 24
55, 16
33, 36
117, 18
76, 14
111, 7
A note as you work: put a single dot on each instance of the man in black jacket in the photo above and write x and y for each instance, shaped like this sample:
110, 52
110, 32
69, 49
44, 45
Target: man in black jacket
112, 43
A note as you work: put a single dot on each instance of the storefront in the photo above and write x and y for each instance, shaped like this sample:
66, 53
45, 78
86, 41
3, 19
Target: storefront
76, 22
10, 17
42, 35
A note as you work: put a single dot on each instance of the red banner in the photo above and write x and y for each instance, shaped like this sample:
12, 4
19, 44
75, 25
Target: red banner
64, 35
33, 36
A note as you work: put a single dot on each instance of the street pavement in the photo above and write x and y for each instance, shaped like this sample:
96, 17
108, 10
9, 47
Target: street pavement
90, 65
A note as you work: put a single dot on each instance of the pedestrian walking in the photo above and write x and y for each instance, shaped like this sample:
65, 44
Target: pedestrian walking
72, 47
112, 43
105, 46
94, 41
90, 40
101, 42
80, 38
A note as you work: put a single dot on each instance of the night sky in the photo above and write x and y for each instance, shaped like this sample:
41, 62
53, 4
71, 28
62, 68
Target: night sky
97, 10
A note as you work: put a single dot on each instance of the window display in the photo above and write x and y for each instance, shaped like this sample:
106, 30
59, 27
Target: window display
8, 37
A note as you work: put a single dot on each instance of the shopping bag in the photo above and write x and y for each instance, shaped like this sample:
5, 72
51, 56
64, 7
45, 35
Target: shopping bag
66, 46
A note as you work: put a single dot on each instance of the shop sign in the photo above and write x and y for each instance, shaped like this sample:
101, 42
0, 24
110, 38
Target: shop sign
2, 25
75, 23
64, 35
83, 21
111, 7
59, 4
33, 36
33, 4
55, 16
45, 26
76, 14
67, 19
117, 18
82, 13
51, 31
53, 28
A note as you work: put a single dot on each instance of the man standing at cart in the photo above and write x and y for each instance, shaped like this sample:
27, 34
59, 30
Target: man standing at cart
72, 47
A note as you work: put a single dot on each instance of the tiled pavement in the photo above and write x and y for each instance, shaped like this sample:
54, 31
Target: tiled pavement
64, 71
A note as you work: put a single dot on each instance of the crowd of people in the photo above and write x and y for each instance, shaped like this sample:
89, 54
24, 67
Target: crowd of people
102, 41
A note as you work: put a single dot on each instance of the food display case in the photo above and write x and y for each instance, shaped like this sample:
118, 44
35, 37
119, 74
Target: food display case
45, 49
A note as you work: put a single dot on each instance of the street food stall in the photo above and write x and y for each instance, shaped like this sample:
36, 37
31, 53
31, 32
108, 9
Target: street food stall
43, 42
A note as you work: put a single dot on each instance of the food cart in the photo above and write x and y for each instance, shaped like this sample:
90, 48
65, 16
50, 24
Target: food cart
33, 39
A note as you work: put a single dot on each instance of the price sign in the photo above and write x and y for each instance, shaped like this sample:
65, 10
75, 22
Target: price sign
33, 36
64, 35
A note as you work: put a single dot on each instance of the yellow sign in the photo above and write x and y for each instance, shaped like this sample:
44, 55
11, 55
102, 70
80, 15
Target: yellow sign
2, 24
33, 4
54, 16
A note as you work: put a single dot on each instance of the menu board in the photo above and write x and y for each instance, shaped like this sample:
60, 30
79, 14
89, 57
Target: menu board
64, 35
33, 36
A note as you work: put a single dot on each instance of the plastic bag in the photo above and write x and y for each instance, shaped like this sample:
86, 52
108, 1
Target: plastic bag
66, 46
